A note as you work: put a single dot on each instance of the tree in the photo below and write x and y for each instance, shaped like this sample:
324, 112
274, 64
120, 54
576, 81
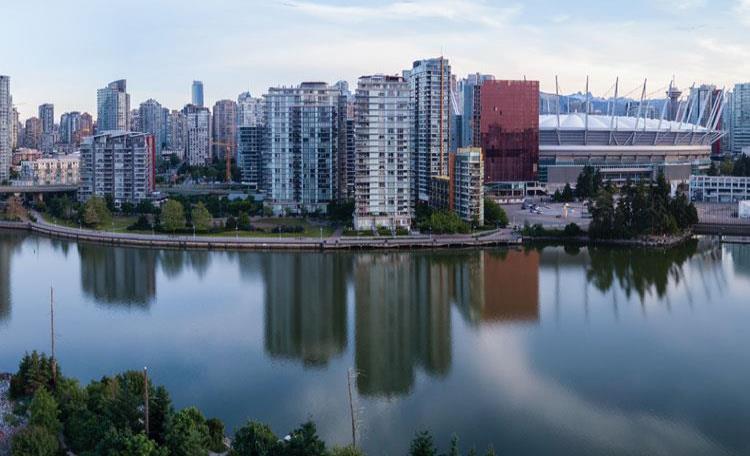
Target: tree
346, 451
34, 441
254, 439
123, 443
602, 216
216, 435
494, 214
589, 182
172, 216
422, 445
454, 450
567, 194
34, 372
244, 221
14, 210
201, 217
44, 412
726, 168
96, 213
304, 441
145, 207
188, 434
231, 224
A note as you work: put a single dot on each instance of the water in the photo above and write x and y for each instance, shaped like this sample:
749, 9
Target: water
544, 351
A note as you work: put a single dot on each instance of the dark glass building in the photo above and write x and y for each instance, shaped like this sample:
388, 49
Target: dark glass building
508, 114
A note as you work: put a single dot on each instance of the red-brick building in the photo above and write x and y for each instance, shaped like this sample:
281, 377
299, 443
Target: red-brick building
508, 122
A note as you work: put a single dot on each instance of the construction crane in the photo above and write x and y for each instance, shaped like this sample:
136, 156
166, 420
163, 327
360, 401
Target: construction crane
227, 158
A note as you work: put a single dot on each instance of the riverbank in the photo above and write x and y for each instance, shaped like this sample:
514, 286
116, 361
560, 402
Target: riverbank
494, 238
660, 242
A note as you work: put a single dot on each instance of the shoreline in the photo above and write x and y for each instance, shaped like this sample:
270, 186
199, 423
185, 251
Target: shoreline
497, 238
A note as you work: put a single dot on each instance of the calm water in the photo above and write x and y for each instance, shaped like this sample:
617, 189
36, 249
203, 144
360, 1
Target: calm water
542, 351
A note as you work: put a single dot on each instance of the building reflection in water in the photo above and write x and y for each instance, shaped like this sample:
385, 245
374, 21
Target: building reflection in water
403, 309
9, 245
305, 306
498, 286
740, 259
118, 276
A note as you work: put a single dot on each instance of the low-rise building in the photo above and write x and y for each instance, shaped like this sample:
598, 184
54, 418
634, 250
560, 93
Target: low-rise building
61, 170
719, 189
462, 191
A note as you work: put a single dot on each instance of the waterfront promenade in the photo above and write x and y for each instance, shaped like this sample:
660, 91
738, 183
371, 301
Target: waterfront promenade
335, 242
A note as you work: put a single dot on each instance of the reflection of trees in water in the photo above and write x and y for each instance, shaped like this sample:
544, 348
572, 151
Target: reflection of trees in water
305, 305
118, 276
172, 262
638, 270
9, 244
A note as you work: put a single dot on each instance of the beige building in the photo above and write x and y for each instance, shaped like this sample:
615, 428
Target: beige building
51, 171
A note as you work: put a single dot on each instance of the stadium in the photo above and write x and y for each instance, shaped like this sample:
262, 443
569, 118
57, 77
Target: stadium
621, 147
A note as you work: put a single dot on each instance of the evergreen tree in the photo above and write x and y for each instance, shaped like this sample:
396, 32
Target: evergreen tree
423, 445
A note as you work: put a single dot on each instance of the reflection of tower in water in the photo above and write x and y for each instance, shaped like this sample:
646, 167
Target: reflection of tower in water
402, 320
118, 276
498, 286
305, 306
8, 245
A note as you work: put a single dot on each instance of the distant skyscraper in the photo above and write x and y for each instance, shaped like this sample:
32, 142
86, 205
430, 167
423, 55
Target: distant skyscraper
702, 102
33, 133
119, 164
15, 128
87, 127
47, 117
6, 106
727, 124
176, 131
673, 106
249, 110
430, 94
197, 132
509, 130
303, 127
382, 141
70, 125
225, 129
113, 107
466, 89
741, 118
197, 93
252, 141
152, 120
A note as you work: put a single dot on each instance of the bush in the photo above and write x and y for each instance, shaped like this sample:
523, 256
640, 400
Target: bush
142, 224
288, 229
572, 230
34, 441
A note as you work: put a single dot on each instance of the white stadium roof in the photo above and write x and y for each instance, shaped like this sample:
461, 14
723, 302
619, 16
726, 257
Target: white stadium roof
597, 122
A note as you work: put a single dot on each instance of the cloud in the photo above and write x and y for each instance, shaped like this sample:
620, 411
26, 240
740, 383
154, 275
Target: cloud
743, 11
460, 11
681, 5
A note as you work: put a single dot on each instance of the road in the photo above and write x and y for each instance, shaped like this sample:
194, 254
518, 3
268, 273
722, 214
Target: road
496, 237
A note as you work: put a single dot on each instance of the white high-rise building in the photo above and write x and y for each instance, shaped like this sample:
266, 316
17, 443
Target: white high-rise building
741, 118
197, 139
176, 131
382, 125
113, 107
15, 130
119, 164
6, 105
430, 82
250, 111
303, 126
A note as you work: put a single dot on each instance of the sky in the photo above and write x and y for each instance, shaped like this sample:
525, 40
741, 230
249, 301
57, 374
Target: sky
61, 52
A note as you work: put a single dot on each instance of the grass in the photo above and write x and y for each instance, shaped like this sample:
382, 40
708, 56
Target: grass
118, 224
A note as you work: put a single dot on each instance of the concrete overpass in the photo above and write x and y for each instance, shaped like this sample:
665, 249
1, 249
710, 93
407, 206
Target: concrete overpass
37, 192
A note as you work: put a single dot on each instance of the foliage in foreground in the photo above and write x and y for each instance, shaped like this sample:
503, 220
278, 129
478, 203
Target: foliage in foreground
106, 418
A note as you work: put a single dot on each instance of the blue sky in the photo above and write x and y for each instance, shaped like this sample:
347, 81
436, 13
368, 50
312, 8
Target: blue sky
62, 51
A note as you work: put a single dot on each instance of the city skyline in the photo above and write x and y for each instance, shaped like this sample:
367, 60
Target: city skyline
238, 46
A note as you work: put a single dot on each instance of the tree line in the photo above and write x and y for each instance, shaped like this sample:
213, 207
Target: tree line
107, 417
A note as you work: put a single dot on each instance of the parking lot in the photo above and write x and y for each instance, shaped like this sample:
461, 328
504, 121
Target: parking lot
549, 215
